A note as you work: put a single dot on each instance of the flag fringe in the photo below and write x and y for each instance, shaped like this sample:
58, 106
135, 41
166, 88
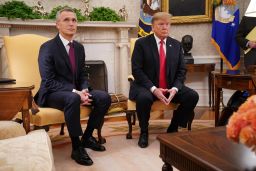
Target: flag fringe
223, 57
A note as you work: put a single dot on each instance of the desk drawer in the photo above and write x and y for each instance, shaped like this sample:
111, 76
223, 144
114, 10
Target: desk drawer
234, 83
200, 67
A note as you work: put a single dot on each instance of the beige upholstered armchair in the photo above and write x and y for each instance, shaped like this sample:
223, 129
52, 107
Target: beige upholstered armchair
22, 53
21, 151
157, 105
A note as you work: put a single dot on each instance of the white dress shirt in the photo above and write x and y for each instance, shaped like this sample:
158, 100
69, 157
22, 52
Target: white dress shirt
152, 89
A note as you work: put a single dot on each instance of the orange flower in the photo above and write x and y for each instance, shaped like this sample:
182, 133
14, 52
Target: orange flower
249, 104
229, 2
242, 124
235, 124
247, 136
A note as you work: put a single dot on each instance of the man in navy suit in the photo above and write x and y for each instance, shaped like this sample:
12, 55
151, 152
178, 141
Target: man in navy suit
64, 86
159, 71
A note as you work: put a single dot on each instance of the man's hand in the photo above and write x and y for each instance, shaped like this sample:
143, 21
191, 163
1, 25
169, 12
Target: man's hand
85, 97
252, 44
172, 93
159, 93
86, 92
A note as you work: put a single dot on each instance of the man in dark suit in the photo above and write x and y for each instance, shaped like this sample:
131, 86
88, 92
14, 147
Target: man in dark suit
159, 71
246, 25
64, 86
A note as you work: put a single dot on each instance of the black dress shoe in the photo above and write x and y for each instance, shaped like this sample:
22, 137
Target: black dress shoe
172, 131
143, 141
172, 128
93, 144
81, 157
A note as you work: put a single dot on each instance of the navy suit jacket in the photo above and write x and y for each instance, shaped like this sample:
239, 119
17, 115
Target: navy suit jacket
145, 64
55, 69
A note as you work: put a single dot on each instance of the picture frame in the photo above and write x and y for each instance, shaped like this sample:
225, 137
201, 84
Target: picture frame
188, 11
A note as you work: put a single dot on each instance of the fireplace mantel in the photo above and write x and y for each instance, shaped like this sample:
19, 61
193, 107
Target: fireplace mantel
107, 41
4, 22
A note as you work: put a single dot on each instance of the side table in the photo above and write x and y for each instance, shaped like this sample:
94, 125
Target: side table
16, 97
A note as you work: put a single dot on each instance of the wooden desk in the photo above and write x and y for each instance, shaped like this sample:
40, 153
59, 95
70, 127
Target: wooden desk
208, 67
204, 150
230, 81
14, 98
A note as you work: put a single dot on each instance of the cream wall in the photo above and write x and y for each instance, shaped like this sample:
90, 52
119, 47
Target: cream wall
203, 51
132, 6
201, 32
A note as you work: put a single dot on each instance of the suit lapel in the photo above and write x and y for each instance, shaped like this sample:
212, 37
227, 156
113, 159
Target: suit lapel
170, 61
155, 54
63, 52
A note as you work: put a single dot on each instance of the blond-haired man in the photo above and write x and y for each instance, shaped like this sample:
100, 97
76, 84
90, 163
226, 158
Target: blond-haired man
159, 71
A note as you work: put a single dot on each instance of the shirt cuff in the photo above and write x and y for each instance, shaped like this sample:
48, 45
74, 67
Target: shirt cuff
74, 90
152, 89
175, 88
247, 44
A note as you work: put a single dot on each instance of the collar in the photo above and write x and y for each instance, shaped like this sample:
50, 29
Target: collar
64, 41
158, 40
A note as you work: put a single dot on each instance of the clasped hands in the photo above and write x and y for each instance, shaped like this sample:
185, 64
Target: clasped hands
85, 97
159, 93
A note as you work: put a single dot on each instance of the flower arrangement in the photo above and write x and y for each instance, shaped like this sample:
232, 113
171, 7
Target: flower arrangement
79, 15
19, 9
104, 14
223, 2
229, 2
241, 127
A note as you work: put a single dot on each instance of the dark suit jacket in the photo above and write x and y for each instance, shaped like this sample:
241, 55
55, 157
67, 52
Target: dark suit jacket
245, 26
145, 64
55, 69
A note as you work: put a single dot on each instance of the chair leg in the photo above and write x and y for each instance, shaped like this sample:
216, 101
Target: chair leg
101, 139
18, 120
134, 118
129, 115
46, 127
62, 129
189, 125
190, 120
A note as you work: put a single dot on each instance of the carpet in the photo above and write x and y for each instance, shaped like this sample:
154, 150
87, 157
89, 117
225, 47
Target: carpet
121, 154
121, 128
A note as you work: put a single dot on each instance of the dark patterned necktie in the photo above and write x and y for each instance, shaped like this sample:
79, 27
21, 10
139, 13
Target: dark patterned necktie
72, 59
162, 61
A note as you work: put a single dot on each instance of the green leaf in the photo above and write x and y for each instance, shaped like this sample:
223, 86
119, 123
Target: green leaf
79, 15
104, 14
18, 9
